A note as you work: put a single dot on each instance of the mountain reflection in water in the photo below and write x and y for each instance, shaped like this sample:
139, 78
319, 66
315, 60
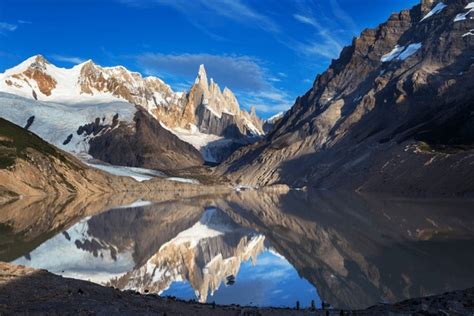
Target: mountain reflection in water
352, 251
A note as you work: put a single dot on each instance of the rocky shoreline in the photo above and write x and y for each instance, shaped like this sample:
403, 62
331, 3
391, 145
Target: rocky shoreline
28, 291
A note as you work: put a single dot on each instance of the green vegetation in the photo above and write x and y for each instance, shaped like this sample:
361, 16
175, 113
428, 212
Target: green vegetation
15, 141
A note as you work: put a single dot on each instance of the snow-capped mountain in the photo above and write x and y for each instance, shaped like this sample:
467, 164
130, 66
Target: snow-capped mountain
36, 78
70, 107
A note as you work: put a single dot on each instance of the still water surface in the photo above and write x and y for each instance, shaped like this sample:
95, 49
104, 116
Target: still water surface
253, 248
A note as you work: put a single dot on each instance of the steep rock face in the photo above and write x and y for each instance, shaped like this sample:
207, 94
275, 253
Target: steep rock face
372, 121
219, 112
142, 143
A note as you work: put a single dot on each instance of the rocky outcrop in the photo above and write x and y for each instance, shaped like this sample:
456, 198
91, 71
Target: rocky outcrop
143, 143
373, 120
219, 112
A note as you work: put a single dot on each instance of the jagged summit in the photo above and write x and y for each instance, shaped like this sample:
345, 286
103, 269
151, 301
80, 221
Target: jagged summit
199, 117
202, 75
37, 78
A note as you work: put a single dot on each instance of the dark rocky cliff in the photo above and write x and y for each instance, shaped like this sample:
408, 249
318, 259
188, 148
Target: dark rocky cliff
144, 143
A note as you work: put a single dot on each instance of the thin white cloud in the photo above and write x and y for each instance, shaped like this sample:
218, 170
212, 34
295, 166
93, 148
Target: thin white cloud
269, 101
201, 13
327, 46
68, 59
7, 27
343, 17
331, 27
306, 20
24, 22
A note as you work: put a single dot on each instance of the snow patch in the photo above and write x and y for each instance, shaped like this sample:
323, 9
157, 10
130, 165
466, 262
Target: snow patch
139, 174
137, 203
275, 117
393, 54
401, 52
463, 16
438, 8
470, 33
183, 180
207, 227
410, 50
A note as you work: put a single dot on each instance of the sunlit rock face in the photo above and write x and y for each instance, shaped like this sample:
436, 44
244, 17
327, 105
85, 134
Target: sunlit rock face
218, 112
205, 255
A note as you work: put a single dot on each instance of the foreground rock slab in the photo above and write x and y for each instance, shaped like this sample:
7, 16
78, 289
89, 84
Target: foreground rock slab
25, 290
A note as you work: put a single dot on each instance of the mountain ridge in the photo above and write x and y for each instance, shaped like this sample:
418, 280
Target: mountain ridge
38, 79
108, 97
364, 123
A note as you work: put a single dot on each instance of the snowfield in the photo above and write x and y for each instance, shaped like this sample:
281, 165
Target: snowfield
207, 144
139, 174
54, 122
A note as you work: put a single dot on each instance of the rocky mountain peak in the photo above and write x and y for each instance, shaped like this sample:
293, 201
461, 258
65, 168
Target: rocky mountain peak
39, 59
202, 76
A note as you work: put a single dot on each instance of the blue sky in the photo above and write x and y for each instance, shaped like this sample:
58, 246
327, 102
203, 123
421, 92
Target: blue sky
267, 52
